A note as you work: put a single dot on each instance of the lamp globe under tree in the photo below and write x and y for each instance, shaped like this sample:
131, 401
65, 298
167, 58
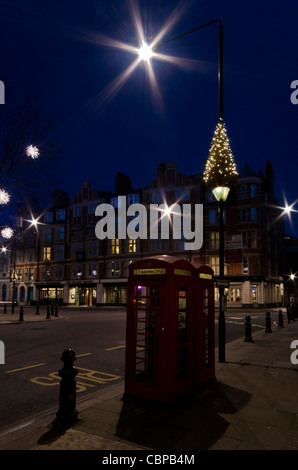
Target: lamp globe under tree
220, 168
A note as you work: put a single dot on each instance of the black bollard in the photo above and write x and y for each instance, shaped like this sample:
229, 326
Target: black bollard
5, 308
52, 309
248, 337
280, 319
37, 309
268, 323
56, 310
21, 318
48, 312
67, 413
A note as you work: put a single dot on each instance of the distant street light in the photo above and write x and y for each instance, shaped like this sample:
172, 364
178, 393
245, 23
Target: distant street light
32, 152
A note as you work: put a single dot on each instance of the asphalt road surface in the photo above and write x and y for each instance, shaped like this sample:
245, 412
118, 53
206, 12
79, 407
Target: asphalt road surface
29, 377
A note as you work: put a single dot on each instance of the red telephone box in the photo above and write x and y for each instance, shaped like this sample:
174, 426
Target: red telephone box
160, 327
205, 326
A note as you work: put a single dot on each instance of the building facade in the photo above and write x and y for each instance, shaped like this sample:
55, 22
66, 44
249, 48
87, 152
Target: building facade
62, 259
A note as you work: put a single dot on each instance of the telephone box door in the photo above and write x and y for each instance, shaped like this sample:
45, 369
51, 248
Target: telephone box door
205, 327
145, 340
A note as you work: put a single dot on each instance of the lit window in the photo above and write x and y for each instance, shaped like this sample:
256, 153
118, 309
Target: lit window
115, 246
214, 240
214, 263
46, 253
132, 248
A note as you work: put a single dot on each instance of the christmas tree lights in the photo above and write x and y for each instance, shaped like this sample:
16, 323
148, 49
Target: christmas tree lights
220, 168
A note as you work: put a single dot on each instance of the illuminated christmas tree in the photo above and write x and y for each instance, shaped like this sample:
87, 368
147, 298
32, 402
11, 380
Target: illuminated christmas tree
220, 167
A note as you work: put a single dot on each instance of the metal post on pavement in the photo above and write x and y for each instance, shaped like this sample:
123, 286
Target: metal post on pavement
248, 337
280, 319
5, 308
268, 323
37, 308
56, 310
67, 413
48, 312
21, 318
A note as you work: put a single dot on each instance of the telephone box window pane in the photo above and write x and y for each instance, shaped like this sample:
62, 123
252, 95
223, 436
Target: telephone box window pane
206, 329
182, 360
147, 303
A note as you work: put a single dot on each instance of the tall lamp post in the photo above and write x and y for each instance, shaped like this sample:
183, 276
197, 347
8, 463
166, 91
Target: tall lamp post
9, 234
219, 171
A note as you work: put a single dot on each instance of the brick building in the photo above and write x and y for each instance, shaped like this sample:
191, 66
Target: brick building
63, 260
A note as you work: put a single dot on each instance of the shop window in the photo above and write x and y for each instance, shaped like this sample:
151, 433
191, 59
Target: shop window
254, 293
235, 295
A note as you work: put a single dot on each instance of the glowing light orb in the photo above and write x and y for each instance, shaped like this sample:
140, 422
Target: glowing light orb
4, 197
145, 52
7, 232
32, 152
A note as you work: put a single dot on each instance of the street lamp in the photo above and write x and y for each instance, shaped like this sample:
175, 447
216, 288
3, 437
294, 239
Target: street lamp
220, 169
9, 234
221, 194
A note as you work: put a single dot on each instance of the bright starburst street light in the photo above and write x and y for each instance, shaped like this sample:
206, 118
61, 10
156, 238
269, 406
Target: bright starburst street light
7, 232
32, 152
4, 197
147, 48
145, 52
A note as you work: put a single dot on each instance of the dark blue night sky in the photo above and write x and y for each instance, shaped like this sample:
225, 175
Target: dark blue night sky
51, 49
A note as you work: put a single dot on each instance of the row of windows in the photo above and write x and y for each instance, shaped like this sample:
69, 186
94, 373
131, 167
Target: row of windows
249, 214
60, 215
130, 199
250, 239
181, 194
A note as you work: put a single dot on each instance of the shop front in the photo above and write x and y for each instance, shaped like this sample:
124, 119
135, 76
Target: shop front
82, 295
115, 292
48, 294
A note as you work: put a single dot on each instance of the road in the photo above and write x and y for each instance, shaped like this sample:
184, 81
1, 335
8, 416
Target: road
29, 377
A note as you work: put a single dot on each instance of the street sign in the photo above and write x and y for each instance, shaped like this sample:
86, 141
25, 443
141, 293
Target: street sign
222, 283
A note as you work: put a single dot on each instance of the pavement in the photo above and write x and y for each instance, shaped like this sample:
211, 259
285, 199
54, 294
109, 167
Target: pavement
252, 405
